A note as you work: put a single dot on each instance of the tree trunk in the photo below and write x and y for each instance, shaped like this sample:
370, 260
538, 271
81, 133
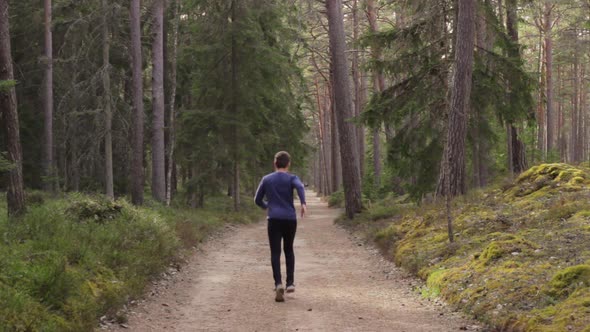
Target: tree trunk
517, 151
48, 162
108, 112
15, 195
359, 99
235, 92
346, 131
549, 77
137, 174
378, 87
452, 179
158, 149
171, 130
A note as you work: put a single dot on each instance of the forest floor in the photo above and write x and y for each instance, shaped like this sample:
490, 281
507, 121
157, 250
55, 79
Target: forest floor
342, 285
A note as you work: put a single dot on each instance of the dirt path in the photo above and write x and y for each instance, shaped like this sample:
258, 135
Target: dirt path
341, 286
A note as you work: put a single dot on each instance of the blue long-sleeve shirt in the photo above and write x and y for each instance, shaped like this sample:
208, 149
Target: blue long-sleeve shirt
278, 188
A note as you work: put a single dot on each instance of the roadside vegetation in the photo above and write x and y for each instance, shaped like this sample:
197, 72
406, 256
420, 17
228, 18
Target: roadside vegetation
73, 259
520, 261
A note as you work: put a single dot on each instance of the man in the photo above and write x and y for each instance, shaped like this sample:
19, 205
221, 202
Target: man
278, 187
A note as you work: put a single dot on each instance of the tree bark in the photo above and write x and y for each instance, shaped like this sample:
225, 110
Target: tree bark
235, 93
15, 195
453, 176
516, 151
549, 74
108, 112
172, 121
359, 99
137, 96
158, 148
378, 87
48, 162
343, 103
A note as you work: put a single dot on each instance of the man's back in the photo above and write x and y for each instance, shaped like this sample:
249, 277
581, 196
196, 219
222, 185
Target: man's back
278, 188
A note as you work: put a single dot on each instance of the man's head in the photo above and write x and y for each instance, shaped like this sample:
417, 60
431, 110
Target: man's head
282, 159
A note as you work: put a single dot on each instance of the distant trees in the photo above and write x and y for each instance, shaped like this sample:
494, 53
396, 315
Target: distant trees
9, 118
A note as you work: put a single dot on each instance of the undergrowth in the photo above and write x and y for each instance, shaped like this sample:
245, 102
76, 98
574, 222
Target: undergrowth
71, 260
521, 260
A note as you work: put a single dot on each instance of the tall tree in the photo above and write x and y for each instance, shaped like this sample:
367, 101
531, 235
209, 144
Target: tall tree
516, 150
48, 162
235, 90
453, 176
158, 146
9, 118
172, 121
108, 112
548, 29
343, 107
137, 99
378, 87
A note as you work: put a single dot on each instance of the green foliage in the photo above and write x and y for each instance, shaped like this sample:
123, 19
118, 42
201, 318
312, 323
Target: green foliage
7, 85
336, 199
242, 79
520, 260
418, 59
72, 260
5, 164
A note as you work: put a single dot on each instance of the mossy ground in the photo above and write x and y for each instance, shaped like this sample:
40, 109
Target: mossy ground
71, 260
521, 260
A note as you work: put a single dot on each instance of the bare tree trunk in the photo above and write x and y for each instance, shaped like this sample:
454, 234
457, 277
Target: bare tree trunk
15, 195
453, 176
48, 162
560, 138
235, 91
549, 69
378, 86
346, 131
517, 152
171, 130
541, 112
158, 149
108, 112
137, 96
359, 99
336, 175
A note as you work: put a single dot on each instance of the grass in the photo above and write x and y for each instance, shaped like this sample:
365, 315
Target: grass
74, 259
521, 260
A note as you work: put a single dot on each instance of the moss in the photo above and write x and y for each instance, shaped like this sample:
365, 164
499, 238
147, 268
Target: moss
572, 314
509, 264
569, 279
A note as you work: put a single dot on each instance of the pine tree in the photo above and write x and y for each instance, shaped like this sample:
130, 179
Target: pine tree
9, 118
343, 111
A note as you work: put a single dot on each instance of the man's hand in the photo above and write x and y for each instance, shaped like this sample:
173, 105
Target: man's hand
303, 210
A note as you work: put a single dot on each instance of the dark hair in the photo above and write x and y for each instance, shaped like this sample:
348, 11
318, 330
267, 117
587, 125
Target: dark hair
282, 159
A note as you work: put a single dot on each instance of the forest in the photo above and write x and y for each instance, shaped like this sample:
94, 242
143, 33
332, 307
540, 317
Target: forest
422, 119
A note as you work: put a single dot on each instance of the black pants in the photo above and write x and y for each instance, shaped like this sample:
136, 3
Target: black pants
279, 229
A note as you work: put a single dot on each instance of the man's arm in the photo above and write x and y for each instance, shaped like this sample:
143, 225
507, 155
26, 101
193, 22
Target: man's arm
259, 198
301, 193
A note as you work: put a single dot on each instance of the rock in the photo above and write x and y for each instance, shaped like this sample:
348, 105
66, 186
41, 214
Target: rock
125, 326
165, 304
